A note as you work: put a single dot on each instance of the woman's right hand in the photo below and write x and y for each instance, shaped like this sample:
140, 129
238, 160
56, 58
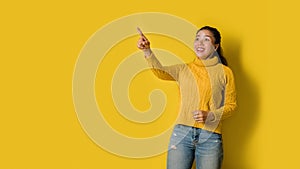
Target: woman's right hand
143, 43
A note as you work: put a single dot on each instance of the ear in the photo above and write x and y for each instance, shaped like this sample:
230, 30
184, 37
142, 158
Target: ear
216, 46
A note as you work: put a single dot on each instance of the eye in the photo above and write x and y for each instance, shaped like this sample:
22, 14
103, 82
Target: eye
196, 39
206, 39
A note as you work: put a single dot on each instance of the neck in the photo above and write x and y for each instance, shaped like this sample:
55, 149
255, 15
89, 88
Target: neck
208, 57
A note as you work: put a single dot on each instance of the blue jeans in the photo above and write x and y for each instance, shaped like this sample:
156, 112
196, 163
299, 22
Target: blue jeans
188, 144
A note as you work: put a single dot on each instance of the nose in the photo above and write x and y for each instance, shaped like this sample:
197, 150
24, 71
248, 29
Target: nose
200, 42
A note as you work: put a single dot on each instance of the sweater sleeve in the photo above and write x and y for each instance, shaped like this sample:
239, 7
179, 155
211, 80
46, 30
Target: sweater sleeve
164, 72
230, 97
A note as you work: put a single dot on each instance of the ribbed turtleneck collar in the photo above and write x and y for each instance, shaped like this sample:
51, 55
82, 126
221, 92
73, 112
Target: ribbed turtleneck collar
208, 62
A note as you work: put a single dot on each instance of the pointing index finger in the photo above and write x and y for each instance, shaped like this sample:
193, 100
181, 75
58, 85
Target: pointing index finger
140, 31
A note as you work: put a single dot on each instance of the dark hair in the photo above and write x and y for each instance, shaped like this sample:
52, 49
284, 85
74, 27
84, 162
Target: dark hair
217, 37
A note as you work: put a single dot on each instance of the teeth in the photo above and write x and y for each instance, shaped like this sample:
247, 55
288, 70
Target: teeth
200, 49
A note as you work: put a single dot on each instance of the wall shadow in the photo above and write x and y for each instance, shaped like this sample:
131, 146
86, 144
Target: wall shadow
238, 130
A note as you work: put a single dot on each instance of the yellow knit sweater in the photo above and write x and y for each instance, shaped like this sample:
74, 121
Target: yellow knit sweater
204, 85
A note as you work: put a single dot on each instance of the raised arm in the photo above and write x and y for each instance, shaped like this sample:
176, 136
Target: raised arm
162, 72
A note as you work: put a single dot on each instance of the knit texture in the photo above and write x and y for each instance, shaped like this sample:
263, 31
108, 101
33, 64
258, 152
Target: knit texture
204, 85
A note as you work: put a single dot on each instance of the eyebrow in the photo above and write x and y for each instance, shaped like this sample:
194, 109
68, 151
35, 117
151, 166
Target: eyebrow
205, 35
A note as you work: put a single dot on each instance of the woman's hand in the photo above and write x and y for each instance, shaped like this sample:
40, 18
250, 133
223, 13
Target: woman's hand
201, 116
143, 43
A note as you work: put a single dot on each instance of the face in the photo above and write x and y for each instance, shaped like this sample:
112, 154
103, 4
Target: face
204, 44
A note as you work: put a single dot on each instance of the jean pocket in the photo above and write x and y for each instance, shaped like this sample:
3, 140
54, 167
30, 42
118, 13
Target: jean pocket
178, 134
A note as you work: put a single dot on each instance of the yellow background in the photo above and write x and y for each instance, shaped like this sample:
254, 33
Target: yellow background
40, 42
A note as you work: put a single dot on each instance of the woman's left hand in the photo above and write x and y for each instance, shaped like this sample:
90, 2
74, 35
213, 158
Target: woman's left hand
201, 116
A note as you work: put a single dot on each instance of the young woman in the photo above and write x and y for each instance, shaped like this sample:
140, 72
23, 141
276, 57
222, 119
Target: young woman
208, 97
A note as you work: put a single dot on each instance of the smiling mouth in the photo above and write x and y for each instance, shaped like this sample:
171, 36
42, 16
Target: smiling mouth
200, 49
